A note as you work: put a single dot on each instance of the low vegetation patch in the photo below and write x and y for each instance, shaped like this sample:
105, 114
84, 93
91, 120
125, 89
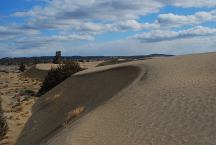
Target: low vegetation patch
73, 114
22, 67
59, 74
3, 124
27, 92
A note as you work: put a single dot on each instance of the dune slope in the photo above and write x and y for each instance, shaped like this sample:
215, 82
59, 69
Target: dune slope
84, 90
172, 101
35, 73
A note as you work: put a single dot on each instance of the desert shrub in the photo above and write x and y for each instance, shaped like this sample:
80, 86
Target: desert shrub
3, 124
82, 60
27, 92
22, 67
59, 74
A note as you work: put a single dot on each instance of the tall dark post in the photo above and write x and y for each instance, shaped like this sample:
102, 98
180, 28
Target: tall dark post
57, 58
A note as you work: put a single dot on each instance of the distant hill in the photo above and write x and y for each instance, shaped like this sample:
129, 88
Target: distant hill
49, 59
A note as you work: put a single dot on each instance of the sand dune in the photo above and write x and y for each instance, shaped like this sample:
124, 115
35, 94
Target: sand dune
46, 66
162, 101
35, 73
51, 111
39, 71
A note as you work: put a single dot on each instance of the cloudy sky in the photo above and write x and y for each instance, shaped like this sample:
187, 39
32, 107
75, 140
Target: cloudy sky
106, 27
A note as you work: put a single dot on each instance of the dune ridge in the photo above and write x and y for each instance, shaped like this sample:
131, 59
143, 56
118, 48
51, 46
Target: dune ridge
169, 101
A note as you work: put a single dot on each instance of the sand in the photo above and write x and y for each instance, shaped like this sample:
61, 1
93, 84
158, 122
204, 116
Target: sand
35, 73
16, 106
46, 66
162, 101
39, 71
55, 105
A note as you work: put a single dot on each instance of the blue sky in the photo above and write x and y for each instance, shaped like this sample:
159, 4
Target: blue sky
106, 27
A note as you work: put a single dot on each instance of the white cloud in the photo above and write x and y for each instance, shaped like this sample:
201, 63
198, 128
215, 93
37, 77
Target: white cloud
97, 16
161, 35
107, 9
133, 25
97, 9
91, 16
173, 20
72, 37
38, 41
82, 20
134, 47
190, 3
13, 31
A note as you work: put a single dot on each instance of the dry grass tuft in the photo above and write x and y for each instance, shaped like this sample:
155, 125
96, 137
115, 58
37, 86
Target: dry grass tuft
55, 97
73, 114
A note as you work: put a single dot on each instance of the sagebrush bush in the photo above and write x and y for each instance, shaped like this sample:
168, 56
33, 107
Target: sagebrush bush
27, 92
59, 74
22, 67
3, 123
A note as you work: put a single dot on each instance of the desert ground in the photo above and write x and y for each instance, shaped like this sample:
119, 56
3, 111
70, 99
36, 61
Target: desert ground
160, 101
17, 94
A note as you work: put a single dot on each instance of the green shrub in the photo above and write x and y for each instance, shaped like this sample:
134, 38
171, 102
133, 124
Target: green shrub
27, 92
22, 67
59, 74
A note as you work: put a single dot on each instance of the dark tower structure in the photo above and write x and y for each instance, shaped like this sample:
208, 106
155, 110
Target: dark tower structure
57, 58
